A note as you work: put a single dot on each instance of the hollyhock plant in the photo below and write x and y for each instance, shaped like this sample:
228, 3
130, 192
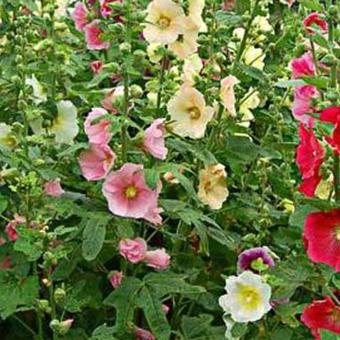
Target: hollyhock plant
93, 37
212, 189
315, 18
322, 314
322, 234
154, 139
247, 298
96, 162
127, 193
97, 133
309, 157
247, 258
133, 250
53, 188
158, 259
303, 103
189, 113
303, 66
80, 16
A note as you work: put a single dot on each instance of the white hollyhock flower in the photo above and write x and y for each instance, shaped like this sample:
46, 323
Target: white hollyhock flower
39, 93
65, 126
247, 298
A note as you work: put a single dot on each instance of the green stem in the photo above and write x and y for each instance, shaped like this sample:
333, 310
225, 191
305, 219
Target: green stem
245, 37
161, 81
24, 325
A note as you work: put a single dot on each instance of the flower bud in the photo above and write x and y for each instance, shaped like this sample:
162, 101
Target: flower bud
59, 296
125, 47
136, 91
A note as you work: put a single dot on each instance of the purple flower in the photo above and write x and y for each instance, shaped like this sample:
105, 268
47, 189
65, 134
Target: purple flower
246, 258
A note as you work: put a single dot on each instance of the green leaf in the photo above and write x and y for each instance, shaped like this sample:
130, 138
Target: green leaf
124, 300
289, 83
151, 177
30, 243
325, 335
152, 308
312, 5
16, 294
319, 82
94, 235
253, 72
3, 204
103, 332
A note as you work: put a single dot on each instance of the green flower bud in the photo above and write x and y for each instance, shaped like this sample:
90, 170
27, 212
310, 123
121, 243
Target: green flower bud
136, 91
125, 47
59, 296
43, 305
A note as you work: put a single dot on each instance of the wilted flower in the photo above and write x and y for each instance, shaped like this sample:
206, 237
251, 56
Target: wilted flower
109, 101
133, 250
227, 94
309, 157
93, 36
39, 93
189, 112
65, 125
96, 162
212, 189
53, 188
322, 233
158, 259
250, 101
247, 298
127, 193
96, 66
80, 16
191, 68
247, 258
10, 228
116, 278
7, 139
154, 139
98, 133
143, 334
322, 314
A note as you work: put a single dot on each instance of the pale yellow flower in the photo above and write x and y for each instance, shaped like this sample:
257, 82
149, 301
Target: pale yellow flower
39, 93
261, 23
227, 94
196, 8
249, 102
191, 69
164, 22
212, 189
189, 113
153, 53
7, 138
254, 57
185, 46
65, 126
324, 188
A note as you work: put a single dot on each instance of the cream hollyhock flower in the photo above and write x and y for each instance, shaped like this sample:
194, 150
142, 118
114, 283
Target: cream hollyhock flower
262, 24
189, 113
39, 92
7, 139
247, 298
65, 126
184, 46
164, 22
196, 8
227, 94
249, 102
191, 69
254, 57
212, 188
152, 51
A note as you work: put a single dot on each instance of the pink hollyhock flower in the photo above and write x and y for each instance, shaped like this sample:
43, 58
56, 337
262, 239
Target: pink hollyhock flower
315, 19
116, 278
309, 157
107, 102
96, 66
246, 258
302, 105
153, 213
142, 334
10, 228
154, 139
127, 193
133, 250
158, 259
96, 162
322, 233
53, 188
98, 133
105, 8
303, 66
322, 314
330, 114
165, 308
79, 16
93, 36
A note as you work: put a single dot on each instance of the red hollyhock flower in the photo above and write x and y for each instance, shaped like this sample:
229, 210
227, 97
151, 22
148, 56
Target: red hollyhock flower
315, 19
309, 157
322, 314
322, 232
330, 115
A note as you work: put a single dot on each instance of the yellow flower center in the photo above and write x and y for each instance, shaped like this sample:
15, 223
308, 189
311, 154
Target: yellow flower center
164, 22
249, 297
337, 233
194, 113
130, 192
